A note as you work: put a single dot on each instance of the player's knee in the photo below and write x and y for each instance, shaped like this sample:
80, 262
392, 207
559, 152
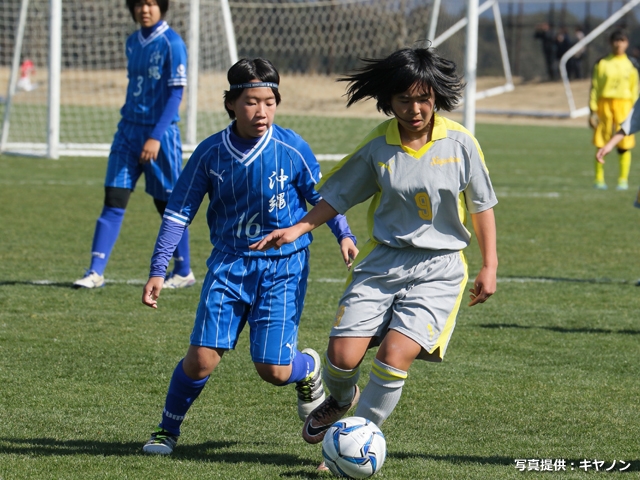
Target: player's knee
347, 353
200, 362
160, 205
621, 151
274, 374
116, 197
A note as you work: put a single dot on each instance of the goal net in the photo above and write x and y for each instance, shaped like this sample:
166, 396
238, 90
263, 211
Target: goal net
311, 42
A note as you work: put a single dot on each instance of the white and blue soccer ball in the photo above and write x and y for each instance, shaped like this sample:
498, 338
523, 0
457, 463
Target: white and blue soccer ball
354, 447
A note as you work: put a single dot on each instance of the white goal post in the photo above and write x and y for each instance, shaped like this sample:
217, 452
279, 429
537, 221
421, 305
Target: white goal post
69, 105
52, 146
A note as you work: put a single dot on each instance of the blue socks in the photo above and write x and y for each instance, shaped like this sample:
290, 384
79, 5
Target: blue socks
182, 393
301, 367
104, 237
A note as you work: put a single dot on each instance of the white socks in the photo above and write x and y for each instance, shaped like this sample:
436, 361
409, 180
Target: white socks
340, 382
382, 393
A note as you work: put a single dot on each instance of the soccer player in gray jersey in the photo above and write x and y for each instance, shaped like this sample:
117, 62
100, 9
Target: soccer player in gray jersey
422, 173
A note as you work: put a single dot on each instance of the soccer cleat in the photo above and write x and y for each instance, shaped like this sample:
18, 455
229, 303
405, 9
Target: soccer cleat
178, 281
160, 443
90, 280
310, 390
325, 415
322, 467
600, 186
622, 185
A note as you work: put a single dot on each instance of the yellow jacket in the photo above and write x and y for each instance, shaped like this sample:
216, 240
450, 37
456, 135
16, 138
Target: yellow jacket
614, 76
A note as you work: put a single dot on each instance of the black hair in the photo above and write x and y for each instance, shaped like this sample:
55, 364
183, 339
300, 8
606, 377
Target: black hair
382, 78
617, 35
245, 70
163, 4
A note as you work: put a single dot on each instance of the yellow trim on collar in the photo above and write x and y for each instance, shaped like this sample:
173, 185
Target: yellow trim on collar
439, 132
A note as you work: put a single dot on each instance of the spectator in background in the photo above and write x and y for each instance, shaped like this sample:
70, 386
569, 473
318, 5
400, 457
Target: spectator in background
574, 65
545, 35
27, 68
563, 43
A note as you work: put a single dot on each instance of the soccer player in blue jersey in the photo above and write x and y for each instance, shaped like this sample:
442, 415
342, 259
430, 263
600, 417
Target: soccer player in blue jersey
422, 172
148, 138
258, 178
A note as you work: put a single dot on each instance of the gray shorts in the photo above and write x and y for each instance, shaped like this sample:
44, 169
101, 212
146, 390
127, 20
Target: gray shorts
413, 291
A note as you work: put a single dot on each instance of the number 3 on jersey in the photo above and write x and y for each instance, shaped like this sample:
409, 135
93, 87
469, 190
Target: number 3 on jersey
251, 229
424, 206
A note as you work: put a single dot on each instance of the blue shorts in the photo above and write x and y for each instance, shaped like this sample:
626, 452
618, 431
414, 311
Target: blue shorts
266, 292
124, 167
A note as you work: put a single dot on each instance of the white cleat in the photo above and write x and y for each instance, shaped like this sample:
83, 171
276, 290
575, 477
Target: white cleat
177, 281
310, 390
90, 280
160, 443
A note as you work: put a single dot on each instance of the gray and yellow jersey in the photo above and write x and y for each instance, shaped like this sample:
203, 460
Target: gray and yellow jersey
418, 197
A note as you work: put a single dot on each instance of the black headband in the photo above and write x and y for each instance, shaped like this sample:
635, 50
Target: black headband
253, 85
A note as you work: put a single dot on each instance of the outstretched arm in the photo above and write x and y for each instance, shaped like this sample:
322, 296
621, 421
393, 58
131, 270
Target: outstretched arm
319, 214
484, 225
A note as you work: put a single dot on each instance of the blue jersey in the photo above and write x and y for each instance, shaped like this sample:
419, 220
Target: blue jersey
250, 194
154, 65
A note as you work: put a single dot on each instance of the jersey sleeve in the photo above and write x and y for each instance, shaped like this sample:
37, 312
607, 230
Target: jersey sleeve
192, 186
182, 207
170, 112
340, 228
168, 238
308, 171
177, 62
350, 182
309, 177
478, 194
594, 91
634, 82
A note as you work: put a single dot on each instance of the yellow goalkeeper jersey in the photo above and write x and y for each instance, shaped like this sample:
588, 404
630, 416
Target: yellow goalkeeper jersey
614, 76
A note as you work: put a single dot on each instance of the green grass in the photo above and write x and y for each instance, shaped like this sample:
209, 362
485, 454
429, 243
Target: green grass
548, 368
98, 124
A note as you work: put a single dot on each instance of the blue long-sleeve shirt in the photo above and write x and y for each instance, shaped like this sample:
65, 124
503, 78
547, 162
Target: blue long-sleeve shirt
251, 193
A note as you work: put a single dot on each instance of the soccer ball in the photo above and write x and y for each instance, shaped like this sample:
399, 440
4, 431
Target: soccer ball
354, 447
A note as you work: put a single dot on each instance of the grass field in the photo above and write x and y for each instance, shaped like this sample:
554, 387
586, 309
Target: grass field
548, 368
98, 124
